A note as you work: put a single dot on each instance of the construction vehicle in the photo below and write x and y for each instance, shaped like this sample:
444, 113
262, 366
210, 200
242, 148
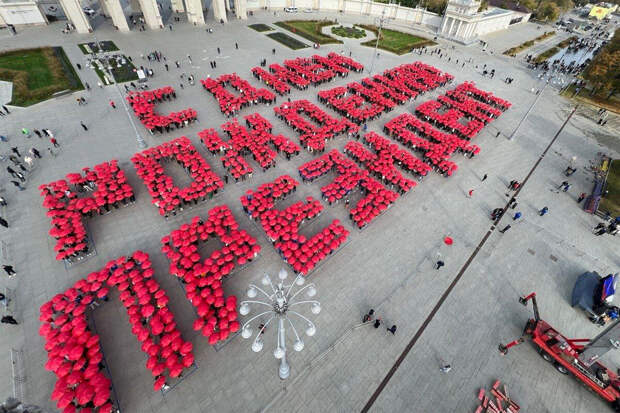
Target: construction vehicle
577, 357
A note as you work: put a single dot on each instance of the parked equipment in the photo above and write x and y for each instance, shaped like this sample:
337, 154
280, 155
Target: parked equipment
578, 357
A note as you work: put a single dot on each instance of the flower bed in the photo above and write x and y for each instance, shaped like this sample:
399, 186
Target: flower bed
287, 41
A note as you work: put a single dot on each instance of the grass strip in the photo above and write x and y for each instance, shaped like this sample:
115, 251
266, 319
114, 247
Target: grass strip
395, 41
260, 27
518, 49
309, 29
287, 41
554, 50
611, 201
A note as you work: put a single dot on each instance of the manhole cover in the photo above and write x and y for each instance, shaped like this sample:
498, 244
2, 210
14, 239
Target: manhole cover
531, 251
553, 258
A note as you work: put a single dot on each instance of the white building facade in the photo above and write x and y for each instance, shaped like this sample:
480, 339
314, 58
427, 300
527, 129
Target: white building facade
461, 22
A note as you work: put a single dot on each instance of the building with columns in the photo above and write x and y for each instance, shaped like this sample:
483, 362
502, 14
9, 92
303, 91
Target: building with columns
461, 22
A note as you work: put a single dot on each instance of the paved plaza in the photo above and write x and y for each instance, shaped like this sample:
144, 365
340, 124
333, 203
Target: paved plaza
388, 266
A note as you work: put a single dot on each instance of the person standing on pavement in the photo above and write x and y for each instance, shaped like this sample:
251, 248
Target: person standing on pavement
581, 197
4, 223
83, 126
517, 216
18, 185
113, 104
35, 153
8, 319
543, 211
9, 270
484, 178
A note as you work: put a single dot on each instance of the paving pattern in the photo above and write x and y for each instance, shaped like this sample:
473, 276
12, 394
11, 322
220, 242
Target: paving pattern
388, 266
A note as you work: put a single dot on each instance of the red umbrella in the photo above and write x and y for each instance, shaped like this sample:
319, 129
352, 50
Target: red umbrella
159, 383
76, 352
186, 348
65, 400
101, 398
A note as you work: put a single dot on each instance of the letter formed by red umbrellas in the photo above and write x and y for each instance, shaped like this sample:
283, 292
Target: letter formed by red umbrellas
230, 105
282, 226
376, 198
74, 352
110, 190
382, 162
254, 140
166, 196
143, 105
217, 315
312, 137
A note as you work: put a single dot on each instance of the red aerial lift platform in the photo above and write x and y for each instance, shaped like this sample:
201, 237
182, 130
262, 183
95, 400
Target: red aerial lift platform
578, 357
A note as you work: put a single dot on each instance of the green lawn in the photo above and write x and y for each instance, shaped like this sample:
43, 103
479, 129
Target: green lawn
287, 40
309, 29
395, 41
260, 27
37, 74
611, 201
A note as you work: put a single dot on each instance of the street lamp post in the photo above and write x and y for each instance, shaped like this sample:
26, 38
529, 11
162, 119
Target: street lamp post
381, 20
279, 301
139, 139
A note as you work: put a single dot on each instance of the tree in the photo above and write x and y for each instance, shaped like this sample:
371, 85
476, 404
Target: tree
548, 11
603, 73
484, 4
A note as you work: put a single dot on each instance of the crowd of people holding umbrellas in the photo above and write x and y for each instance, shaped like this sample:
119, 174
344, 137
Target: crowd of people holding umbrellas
166, 196
74, 352
143, 104
254, 139
368, 99
313, 138
109, 188
302, 72
231, 104
382, 159
376, 198
202, 278
282, 226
